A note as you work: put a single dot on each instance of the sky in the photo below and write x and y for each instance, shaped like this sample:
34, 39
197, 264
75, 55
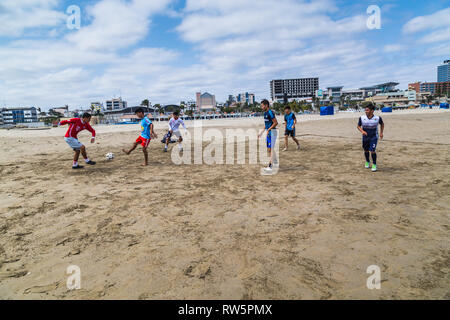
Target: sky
167, 50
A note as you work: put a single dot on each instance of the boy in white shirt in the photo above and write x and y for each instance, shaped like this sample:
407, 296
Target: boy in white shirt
174, 129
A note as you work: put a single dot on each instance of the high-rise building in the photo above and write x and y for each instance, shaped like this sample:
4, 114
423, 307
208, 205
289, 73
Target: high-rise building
116, 104
281, 90
443, 72
246, 97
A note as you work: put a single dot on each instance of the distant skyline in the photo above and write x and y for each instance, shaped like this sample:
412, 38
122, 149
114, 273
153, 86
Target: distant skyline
167, 50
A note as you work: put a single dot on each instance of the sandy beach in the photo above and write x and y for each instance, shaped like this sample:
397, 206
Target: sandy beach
225, 231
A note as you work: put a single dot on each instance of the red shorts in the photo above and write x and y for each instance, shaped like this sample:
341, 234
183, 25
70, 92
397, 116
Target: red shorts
144, 142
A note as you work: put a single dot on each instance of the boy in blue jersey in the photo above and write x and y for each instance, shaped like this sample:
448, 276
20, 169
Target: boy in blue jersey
271, 123
290, 121
368, 126
147, 134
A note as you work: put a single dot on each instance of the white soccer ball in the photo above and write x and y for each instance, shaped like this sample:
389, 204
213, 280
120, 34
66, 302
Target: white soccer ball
110, 156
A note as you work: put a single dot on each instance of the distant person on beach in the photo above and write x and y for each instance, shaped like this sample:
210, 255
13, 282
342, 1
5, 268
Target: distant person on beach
270, 124
290, 121
174, 130
147, 134
368, 126
76, 125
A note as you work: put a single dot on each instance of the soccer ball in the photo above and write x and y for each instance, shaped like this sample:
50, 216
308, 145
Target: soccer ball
110, 156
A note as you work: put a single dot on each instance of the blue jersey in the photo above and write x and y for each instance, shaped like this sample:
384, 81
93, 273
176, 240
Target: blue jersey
289, 118
370, 125
269, 116
145, 128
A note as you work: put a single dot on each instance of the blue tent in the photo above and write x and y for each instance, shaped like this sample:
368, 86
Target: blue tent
327, 111
386, 109
444, 106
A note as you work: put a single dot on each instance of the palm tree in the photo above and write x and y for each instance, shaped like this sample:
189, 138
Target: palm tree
145, 103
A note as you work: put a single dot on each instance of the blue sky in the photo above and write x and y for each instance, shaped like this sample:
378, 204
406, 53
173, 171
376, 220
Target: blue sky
168, 50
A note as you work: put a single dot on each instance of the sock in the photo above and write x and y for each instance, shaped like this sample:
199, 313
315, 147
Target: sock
367, 154
180, 146
374, 158
87, 160
165, 147
75, 163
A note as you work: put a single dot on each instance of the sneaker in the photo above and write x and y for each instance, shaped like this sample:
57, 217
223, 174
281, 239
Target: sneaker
285, 149
92, 163
77, 167
268, 169
367, 165
298, 147
165, 150
374, 168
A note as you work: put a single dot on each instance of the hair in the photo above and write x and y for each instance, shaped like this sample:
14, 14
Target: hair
370, 106
287, 108
86, 115
139, 110
176, 113
265, 103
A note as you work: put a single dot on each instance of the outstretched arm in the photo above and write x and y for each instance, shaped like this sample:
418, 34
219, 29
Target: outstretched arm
64, 122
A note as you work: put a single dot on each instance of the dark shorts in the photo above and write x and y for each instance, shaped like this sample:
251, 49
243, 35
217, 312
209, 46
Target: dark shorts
370, 143
290, 133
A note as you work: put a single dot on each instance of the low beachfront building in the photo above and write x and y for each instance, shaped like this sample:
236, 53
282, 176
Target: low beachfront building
392, 99
19, 115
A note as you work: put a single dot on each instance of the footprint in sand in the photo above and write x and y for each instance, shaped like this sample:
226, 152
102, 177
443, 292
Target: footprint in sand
42, 289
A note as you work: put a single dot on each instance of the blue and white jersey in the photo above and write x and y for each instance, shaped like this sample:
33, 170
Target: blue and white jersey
370, 125
268, 119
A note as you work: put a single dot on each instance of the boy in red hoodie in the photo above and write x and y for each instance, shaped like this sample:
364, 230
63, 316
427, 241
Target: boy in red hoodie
76, 125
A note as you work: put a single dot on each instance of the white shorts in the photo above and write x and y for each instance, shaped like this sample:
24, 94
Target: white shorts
177, 134
74, 143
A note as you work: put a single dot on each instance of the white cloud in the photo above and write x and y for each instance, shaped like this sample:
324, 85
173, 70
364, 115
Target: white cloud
207, 20
433, 21
18, 17
239, 45
116, 24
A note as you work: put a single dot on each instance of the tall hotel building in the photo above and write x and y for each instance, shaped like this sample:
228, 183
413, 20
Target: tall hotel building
443, 72
293, 88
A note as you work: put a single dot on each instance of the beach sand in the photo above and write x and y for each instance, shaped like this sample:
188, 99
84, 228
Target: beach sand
225, 231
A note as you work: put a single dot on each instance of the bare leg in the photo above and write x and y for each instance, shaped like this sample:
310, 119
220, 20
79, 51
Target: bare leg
286, 142
83, 152
271, 157
76, 155
144, 150
131, 150
296, 141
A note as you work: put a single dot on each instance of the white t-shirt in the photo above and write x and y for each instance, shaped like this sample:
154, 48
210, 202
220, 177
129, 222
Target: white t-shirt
174, 125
